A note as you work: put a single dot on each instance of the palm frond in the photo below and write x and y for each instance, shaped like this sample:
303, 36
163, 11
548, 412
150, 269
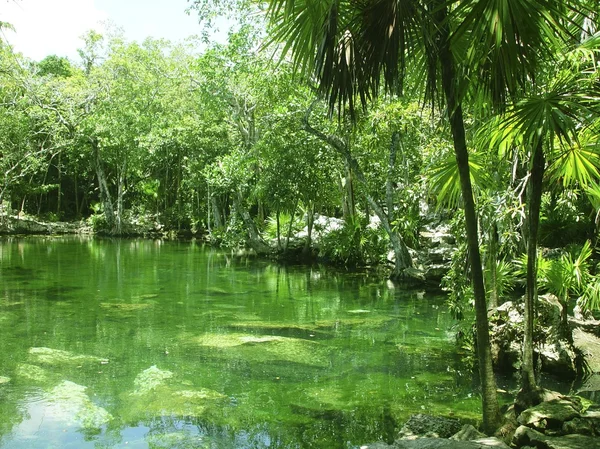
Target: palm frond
508, 38
444, 180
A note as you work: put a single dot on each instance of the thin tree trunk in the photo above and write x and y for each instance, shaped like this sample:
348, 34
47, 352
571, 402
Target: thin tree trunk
59, 193
490, 407
389, 187
277, 217
310, 221
109, 211
493, 266
77, 209
255, 241
217, 218
208, 208
291, 225
528, 382
120, 195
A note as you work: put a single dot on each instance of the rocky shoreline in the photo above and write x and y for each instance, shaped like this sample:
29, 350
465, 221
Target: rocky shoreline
560, 422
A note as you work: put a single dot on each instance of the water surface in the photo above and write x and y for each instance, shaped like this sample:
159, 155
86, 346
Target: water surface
149, 344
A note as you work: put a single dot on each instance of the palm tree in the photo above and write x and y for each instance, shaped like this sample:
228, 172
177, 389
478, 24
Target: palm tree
488, 48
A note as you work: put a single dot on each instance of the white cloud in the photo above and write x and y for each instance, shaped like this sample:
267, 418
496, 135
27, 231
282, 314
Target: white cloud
45, 27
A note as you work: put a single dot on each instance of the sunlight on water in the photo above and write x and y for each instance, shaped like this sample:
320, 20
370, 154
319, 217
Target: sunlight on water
150, 344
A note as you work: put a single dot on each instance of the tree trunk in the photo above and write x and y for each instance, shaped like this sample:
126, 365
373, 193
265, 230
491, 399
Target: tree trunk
491, 410
255, 241
291, 225
403, 259
120, 195
492, 257
389, 182
59, 192
277, 216
310, 221
217, 218
109, 211
534, 194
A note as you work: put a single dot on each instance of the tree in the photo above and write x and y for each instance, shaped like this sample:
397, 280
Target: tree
350, 45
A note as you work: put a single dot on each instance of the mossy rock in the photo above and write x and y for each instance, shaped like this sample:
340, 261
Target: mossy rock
33, 374
53, 357
269, 348
172, 401
69, 403
178, 440
150, 379
7, 317
125, 307
361, 320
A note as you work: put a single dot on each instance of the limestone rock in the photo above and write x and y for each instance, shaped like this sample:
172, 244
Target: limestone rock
49, 356
430, 426
589, 345
549, 415
591, 388
439, 443
558, 358
467, 433
150, 379
68, 402
526, 436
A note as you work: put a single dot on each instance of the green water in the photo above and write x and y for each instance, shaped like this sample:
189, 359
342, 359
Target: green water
149, 344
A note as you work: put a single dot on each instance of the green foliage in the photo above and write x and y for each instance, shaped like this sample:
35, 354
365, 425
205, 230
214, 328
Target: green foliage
55, 66
506, 277
354, 245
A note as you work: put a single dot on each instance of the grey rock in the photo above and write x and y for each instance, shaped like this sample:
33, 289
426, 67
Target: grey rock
590, 388
439, 443
467, 433
525, 436
558, 358
550, 415
430, 426
589, 345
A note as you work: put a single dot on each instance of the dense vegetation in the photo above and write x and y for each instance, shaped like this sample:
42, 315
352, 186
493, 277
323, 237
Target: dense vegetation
491, 113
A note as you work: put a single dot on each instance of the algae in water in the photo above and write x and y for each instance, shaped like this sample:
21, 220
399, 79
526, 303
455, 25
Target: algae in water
68, 402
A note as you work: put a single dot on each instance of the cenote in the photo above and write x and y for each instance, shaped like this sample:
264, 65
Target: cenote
152, 344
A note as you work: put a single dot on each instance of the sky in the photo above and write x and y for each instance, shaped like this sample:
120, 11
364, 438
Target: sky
46, 27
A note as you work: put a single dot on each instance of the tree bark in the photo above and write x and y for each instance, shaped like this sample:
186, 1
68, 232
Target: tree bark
493, 266
255, 241
534, 194
291, 225
491, 410
310, 221
109, 210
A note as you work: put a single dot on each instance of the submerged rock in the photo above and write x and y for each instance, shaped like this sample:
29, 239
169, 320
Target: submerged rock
157, 395
68, 402
430, 426
150, 379
4, 380
124, 307
268, 348
178, 440
32, 373
48, 356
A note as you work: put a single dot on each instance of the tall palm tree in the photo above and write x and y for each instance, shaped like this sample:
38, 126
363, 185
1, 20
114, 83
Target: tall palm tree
487, 48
